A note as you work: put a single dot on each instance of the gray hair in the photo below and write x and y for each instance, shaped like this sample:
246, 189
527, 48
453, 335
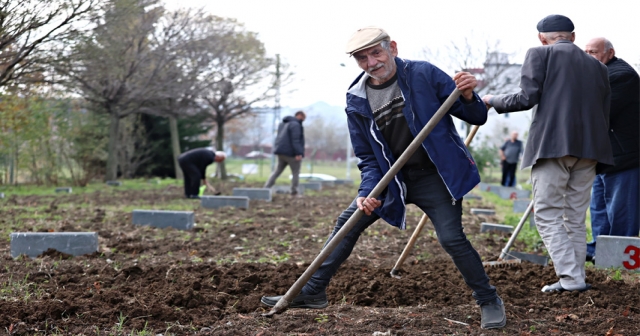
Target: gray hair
607, 45
386, 45
556, 36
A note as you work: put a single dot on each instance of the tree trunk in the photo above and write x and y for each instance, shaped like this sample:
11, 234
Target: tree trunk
175, 146
12, 169
16, 164
220, 147
112, 159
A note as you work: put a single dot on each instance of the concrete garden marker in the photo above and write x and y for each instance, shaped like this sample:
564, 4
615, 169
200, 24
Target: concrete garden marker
254, 193
486, 227
181, 220
216, 202
618, 252
486, 212
33, 244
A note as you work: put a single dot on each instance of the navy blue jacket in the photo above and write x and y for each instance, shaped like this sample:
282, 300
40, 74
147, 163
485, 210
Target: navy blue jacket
290, 139
424, 88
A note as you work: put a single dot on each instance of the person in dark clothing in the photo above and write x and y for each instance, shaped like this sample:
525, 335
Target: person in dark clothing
290, 149
509, 156
194, 166
615, 210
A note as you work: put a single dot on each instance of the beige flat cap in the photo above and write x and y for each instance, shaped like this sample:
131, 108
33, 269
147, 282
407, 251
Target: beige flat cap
366, 37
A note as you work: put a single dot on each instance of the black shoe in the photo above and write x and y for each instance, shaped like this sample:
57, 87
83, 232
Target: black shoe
591, 259
557, 287
315, 301
193, 197
493, 315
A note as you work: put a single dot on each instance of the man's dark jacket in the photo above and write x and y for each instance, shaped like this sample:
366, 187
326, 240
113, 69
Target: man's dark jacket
290, 139
198, 158
424, 88
573, 96
624, 121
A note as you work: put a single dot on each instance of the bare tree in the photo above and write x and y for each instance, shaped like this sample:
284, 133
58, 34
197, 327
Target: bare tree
325, 136
135, 149
118, 68
29, 29
237, 77
487, 61
250, 130
186, 33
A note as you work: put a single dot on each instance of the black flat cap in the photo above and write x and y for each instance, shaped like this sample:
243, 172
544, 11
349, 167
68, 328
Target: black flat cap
555, 23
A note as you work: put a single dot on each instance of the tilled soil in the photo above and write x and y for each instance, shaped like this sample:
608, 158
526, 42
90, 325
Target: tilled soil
208, 281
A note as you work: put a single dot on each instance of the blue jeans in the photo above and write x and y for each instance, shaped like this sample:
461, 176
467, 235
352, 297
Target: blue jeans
426, 190
615, 210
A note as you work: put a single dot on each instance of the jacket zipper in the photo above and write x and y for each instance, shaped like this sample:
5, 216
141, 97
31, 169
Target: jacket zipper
618, 141
395, 178
462, 149
403, 224
453, 199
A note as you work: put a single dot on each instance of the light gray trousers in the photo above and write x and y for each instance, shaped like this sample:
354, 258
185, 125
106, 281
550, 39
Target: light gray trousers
294, 164
561, 195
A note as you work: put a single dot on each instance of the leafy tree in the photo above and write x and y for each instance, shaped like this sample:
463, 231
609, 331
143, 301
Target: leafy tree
85, 150
50, 139
191, 130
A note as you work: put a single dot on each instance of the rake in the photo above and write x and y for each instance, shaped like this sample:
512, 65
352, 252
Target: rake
518, 257
286, 299
423, 222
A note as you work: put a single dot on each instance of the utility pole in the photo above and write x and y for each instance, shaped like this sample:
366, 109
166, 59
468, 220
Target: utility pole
348, 156
276, 114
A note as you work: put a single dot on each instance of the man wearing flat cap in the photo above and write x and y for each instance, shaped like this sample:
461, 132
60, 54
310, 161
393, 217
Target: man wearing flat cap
387, 106
567, 138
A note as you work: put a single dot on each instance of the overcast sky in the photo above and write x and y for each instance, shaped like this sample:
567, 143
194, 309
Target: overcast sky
311, 35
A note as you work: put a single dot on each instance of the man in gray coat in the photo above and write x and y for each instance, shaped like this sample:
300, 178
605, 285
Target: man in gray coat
567, 138
289, 147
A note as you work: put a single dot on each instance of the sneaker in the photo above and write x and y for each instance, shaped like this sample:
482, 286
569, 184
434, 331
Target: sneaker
591, 259
315, 301
493, 315
557, 287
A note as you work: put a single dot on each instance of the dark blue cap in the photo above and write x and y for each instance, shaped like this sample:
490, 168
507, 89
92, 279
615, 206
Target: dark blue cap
555, 23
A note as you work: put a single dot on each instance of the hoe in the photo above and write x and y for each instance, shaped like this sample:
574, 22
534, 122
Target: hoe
284, 302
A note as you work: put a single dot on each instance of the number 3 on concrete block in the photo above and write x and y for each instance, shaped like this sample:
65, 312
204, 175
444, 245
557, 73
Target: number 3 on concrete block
634, 255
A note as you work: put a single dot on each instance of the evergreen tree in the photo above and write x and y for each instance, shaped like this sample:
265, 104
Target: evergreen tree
191, 129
